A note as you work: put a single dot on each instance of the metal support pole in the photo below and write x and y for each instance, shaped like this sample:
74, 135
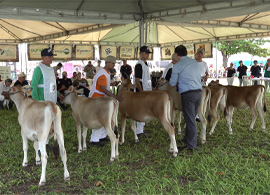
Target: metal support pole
141, 31
216, 62
145, 38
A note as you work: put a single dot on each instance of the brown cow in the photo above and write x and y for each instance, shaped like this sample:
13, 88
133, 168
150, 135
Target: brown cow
244, 97
94, 113
144, 107
163, 84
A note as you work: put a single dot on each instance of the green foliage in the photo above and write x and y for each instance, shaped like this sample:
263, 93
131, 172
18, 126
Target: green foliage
252, 46
226, 164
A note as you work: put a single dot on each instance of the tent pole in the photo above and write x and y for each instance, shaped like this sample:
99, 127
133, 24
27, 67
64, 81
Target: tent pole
145, 38
216, 62
141, 29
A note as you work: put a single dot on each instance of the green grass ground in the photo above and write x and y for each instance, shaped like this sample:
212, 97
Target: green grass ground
226, 164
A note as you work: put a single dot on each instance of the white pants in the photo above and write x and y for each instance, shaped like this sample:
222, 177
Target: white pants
2, 98
230, 80
139, 128
98, 134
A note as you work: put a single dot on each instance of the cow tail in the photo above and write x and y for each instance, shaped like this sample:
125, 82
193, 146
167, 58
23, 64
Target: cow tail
55, 148
115, 118
225, 93
264, 101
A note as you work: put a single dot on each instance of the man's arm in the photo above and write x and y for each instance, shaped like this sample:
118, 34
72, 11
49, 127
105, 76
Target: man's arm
138, 76
37, 75
174, 77
109, 93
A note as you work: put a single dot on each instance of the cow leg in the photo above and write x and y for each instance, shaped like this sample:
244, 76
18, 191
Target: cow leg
123, 128
84, 135
203, 127
38, 162
133, 127
261, 113
170, 129
179, 123
112, 137
229, 119
254, 117
216, 118
42, 148
25, 149
79, 135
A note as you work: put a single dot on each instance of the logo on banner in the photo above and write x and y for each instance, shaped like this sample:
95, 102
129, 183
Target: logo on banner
2, 51
108, 51
66, 51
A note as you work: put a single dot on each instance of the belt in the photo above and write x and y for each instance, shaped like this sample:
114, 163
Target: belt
191, 91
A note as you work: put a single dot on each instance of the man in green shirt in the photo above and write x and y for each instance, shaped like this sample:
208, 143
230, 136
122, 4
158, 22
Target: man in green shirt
43, 80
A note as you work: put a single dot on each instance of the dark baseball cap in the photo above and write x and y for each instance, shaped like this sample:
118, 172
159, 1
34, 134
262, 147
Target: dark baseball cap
47, 52
145, 49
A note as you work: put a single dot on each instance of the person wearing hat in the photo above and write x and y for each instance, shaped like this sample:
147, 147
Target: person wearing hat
242, 69
168, 70
255, 71
21, 80
142, 79
43, 80
100, 88
204, 68
186, 75
230, 74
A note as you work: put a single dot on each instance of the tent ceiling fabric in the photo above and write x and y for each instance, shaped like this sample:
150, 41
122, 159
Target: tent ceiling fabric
168, 22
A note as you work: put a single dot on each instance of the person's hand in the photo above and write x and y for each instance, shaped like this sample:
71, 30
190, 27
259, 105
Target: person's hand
61, 97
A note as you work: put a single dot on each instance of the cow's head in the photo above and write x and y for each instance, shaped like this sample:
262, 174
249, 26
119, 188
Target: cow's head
214, 83
125, 86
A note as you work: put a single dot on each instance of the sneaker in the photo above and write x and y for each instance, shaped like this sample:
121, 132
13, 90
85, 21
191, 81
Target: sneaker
98, 144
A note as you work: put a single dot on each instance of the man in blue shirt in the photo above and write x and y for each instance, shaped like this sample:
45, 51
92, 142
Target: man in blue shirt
186, 74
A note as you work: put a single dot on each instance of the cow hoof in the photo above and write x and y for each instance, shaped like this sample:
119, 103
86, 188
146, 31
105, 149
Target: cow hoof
85, 148
230, 133
25, 164
250, 130
203, 141
179, 133
121, 143
136, 140
170, 150
174, 155
41, 183
79, 151
38, 162
67, 178
263, 130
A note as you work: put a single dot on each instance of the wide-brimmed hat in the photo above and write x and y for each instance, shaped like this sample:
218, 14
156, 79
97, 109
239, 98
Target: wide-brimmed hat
22, 74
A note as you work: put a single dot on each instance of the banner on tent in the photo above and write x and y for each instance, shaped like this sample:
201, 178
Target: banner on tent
63, 52
166, 53
190, 50
150, 55
9, 53
84, 52
107, 51
127, 52
207, 48
34, 51
5, 72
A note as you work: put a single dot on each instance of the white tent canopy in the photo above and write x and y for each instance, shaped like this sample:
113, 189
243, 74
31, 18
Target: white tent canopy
117, 22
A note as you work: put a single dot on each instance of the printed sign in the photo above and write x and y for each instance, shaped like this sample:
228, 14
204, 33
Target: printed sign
84, 52
166, 53
5, 72
8, 53
34, 51
127, 52
190, 50
150, 55
207, 48
63, 52
107, 51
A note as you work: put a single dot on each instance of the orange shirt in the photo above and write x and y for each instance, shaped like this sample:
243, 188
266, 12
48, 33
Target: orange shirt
102, 81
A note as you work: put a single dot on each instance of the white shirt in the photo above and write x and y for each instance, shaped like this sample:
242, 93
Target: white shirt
169, 66
3, 87
204, 68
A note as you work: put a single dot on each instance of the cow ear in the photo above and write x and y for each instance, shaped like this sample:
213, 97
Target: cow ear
71, 88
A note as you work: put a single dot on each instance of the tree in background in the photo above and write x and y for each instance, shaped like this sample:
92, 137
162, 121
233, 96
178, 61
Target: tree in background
252, 46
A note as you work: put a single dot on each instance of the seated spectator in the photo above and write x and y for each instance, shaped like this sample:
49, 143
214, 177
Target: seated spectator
4, 94
21, 80
81, 83
65, 83
60, 85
